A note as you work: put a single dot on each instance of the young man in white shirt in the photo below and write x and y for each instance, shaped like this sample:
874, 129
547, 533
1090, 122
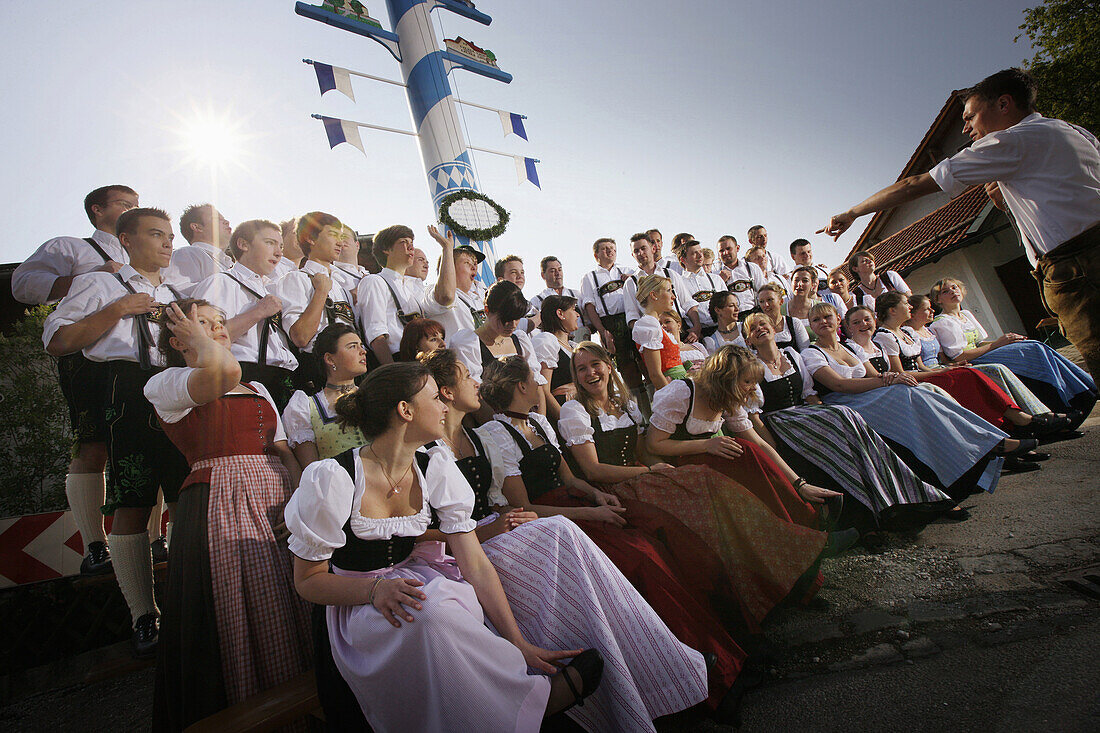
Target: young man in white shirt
510, 268
554, 276
346, 270
207, 234
657, 240
468, 310
390, 299
758, 237
742, 278
700, 283
253, 314
46, 276
603, 301
292, 253
113, 318
1046, 173
642, 249
419, 267
311, 296
802, 252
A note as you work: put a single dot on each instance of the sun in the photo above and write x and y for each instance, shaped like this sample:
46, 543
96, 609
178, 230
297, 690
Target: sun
210, 139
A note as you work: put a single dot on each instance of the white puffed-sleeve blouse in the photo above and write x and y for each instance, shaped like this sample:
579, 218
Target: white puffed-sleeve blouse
575, 424
503, 453
672, 403
648, 334
327, 497
467, 346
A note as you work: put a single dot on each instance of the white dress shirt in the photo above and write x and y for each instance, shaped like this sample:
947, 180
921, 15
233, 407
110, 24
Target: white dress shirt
197, 261
62, 257
684, 301
377, 309
702, 285
462, 314
745, 279
1048, 171
295, 290
671, 262
349, 275
597, 278
94, 291
777, 265
227, 290
284, 266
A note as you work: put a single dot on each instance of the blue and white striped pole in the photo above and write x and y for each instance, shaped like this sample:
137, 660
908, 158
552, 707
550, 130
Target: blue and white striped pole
442, 147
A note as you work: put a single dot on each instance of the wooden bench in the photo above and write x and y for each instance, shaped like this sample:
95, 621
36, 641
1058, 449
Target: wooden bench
273, 708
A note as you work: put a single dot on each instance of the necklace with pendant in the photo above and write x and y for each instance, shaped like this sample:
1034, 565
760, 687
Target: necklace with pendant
395, 486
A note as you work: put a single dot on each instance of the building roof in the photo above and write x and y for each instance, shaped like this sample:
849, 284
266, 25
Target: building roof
929, 238
924, 157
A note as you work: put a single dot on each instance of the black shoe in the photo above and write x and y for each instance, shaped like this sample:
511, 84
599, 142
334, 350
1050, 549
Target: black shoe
1036, 456
957, 514
589, 665
1042, 425
159, 548
840, 541
145, 636
1016, 464
1059, 437
874, 541
1025, 445
97, 561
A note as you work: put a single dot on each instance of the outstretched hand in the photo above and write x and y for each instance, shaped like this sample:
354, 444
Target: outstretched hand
838, 224
448, 241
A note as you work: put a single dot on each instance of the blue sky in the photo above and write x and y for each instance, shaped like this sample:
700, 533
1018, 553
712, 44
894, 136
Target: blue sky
704, 116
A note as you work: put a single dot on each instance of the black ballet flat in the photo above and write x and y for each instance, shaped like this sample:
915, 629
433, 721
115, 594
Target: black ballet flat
1016, 464
1035, 456
955, 515
589, 665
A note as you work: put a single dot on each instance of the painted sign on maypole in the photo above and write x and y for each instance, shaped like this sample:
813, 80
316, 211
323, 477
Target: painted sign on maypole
475, 219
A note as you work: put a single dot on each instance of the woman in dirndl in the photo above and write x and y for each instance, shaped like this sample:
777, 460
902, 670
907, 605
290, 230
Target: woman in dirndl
565, 592
409, 624
558, 318
311, 427
1062, 385
232, 625
831, 443
660, 353
764, 556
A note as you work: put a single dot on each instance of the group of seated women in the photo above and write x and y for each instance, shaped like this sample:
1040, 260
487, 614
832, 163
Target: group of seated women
494, 531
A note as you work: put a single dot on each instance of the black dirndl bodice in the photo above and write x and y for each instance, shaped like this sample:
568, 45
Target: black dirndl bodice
361, 555
562, 373
487, 357
782, 344
779, 394
540, 467
616, 447
478, 472
681, 432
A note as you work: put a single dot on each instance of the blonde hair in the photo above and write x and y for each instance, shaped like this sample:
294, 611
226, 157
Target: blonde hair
773, 287
934, 293
719, 379
752, 319
617, 392
648, 285
673, 315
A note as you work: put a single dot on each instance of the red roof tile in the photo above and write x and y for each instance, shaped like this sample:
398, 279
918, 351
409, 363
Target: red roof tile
934, 235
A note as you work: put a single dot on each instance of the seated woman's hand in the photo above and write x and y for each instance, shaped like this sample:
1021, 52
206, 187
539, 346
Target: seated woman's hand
391, 595
602, 498
566, 391
905, 378
516, 517
815, 494
723, 446
612, 515
660, 466
544, 660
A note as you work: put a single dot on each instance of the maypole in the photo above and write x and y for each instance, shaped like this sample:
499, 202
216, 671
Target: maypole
424, 69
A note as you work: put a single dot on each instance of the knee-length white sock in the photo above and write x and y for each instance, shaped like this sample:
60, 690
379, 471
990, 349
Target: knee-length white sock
133, 563
85, 494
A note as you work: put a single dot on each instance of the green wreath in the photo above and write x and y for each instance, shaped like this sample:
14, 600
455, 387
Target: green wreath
476, 235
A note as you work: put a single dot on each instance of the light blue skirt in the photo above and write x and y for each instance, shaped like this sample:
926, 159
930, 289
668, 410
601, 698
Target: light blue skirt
1038, 361
943, 435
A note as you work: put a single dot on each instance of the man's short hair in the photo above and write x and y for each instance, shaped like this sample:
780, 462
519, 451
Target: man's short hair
193, 214
546, 261
310, 225
498, 268
853, 261
129, 220
651, 232
708, 253
385, 239
642, 235
754, 229
724, 237
101, 195
598, 242
678, 242
1014, 82
247, 230
799, 243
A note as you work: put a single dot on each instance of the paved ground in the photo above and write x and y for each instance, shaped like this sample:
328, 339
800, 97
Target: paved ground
962, 627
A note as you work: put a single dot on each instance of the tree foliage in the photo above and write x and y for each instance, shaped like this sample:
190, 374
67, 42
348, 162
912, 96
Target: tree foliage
1066, 66
35, 441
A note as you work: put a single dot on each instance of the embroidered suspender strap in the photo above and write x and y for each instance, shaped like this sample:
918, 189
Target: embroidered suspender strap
401, 317
99, 250
145, 336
